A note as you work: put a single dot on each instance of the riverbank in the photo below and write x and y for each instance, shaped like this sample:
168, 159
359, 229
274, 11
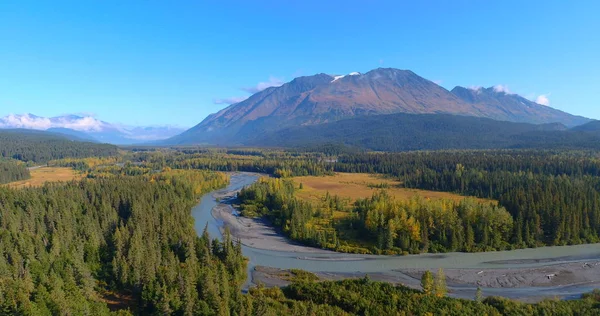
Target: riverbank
573, 273
525, 285
254, 232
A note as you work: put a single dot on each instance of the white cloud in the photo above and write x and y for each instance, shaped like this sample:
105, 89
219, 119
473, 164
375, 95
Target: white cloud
25, 121
86, 124
231, 100
543, 100
474, 88
438, 82
502, 88
28, 121
273, 82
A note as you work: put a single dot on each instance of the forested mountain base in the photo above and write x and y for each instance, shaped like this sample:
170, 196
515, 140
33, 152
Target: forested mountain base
403, 132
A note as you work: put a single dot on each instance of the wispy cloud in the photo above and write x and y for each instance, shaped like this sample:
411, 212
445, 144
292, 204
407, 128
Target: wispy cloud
272, 82
502, 88
231, 100
438, 82
543, 100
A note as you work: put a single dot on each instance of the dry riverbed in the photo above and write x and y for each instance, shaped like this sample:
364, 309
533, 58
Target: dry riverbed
255, 232
526, 285
573, 273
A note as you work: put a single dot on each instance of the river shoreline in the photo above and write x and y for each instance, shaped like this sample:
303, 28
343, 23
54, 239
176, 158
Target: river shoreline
528, 275
254, 232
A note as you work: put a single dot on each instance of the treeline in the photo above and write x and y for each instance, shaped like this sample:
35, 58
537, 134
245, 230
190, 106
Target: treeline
553, 197
84, 164
39, 147
277, 163
420, 225
554, 162
388, 226
63, 248
11, 171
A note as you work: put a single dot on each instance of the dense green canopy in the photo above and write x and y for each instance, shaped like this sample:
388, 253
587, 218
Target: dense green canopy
40, 147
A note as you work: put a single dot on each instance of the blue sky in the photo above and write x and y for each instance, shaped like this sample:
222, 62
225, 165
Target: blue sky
175, 62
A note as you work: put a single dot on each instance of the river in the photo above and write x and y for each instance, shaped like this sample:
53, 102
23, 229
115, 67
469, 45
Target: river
351, 263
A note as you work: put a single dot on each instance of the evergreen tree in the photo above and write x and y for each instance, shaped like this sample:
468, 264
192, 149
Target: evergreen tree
427, 282
479, 295
440, 288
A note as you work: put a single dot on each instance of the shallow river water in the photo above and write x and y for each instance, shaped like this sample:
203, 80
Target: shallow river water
338, 262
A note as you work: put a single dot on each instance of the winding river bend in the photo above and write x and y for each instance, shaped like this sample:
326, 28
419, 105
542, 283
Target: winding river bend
393, 265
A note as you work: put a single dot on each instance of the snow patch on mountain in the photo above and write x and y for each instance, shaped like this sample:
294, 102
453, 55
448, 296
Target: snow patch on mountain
335, 78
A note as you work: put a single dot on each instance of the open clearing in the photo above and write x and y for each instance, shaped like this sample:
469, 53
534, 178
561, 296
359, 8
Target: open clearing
353, 186
42, 175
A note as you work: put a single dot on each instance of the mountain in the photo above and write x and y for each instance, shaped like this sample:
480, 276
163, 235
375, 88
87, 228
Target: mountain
501, 105
72, 134
89, 128
324, 98
591, 127
401, 132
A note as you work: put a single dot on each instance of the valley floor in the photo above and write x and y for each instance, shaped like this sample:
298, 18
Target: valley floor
353, 186
523, 283
41, 175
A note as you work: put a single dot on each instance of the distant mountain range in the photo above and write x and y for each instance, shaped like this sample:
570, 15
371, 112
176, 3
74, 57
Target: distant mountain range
302, 105
88, 128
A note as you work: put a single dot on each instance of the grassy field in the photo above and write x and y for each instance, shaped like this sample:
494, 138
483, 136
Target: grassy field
47, 174
353, 186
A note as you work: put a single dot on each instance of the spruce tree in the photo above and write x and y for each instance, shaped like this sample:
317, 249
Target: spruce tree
440, 287
427, 282
479, 294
